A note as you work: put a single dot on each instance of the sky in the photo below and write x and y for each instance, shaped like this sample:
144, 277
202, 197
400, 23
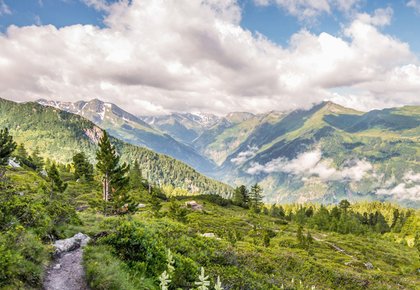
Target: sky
159, 56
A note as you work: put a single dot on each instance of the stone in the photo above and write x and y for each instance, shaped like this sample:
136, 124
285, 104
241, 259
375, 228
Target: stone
70, 244
193, 205
209, 235
369, 265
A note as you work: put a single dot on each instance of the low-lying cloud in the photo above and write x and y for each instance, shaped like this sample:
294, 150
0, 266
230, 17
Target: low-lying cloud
310, 164
244, 156
409, 189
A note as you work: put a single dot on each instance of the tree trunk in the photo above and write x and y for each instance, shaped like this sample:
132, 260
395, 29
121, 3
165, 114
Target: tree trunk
105, 188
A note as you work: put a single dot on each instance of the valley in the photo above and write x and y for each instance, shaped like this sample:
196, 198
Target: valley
323, 154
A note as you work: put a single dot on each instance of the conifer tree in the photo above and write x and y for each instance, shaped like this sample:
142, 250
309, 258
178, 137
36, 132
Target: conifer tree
135, 176
255, 196
36, 159
82, 167
241, 196
113, 174
57, 183
21, 152
7, 146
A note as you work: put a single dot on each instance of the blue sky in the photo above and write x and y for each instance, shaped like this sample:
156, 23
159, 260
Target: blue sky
158, 56
274, 22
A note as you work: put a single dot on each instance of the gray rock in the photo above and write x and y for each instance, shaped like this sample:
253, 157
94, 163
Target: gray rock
57, 267
369, 265
70, 244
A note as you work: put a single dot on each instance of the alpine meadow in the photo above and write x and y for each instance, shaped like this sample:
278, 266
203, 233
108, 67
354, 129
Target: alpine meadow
209, 144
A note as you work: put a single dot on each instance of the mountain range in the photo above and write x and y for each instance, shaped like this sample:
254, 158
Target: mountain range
323, 154
59, 135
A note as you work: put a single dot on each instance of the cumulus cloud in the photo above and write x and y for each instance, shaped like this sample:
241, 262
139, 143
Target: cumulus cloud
194, 55
310, 164
308, 9
244, 156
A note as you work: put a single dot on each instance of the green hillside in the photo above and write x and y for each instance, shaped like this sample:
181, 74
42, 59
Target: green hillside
386, 142
363, 246
133, 130
60, 135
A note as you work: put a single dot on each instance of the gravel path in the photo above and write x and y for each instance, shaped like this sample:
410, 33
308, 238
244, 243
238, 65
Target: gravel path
66, 273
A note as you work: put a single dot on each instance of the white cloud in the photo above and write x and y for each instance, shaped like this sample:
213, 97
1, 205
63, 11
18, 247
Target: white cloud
408, 189
244, 156
380, 17
308, 9
402, 191
310, 164
4, 9
414, 4
173, 55
100, 5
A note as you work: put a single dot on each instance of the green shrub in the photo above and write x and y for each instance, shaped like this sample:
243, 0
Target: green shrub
104, 271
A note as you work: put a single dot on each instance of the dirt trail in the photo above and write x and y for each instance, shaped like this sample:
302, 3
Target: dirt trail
335, 247
66, 272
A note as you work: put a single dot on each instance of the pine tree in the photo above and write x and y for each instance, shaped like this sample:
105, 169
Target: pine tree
255, 196
36, 159
7, 146
113, 174
57, 183
21, 152
241, 196
135, 175
82, 167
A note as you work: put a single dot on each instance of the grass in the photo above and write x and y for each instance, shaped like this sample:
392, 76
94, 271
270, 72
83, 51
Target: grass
245, 263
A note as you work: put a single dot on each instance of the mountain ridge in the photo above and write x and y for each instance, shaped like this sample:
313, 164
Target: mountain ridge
248, 148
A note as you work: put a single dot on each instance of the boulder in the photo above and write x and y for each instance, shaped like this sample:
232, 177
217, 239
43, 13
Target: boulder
193, 205
369, 265
70, 244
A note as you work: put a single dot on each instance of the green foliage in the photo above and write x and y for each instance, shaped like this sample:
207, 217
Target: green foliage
36, 159
135, 176
61, 135
7, 146
104, 271
241, 196
57, 183
28, 217
82, 167
177, 212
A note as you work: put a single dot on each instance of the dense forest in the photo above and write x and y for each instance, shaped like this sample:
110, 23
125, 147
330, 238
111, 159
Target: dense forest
149, 237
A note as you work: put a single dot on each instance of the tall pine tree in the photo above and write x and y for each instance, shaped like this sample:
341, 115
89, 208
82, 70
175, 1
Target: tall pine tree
7, 146
255, 195
113, 174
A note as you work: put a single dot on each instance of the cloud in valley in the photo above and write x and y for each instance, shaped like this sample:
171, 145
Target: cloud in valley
409, 189
194, 55
310, 164
244, 156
